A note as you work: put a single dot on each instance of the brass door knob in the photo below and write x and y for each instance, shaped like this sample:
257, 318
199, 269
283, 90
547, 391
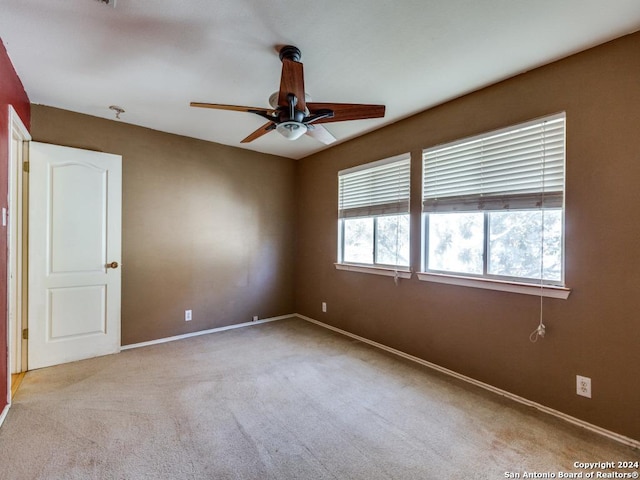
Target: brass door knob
112, 265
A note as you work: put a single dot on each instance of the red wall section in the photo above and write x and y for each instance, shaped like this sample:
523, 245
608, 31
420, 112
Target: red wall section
11, 93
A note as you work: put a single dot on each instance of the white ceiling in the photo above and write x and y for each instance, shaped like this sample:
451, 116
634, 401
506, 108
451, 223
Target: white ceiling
153, 57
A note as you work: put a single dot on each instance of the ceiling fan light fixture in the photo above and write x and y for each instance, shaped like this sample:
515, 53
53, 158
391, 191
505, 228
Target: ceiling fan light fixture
291, 130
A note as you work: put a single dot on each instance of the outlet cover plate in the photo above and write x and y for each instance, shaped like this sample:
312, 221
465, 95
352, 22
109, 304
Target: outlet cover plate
583, 386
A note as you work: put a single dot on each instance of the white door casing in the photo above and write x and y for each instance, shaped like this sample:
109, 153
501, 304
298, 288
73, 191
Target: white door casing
75, 209
13, 243
18, 137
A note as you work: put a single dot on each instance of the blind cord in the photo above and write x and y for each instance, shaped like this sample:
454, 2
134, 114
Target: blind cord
540, 329
396, 277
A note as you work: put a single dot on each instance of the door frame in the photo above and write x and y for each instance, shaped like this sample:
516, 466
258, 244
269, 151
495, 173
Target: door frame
17, 253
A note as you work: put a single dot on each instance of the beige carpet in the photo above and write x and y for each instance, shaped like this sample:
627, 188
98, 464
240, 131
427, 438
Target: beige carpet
282, 400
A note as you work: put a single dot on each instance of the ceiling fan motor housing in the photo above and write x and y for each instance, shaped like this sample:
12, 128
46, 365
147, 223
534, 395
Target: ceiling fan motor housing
285, 116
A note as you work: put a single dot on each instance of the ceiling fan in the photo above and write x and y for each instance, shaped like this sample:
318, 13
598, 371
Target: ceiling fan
292, 115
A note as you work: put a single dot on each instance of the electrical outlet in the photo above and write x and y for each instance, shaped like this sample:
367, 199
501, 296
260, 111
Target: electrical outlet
583, 386
324, 307
255, 318
187, 315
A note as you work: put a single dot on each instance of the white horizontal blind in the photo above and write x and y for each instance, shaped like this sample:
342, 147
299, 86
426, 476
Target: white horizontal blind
518, 167
378, 188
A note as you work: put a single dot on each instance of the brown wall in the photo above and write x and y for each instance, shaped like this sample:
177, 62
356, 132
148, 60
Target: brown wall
11, 93
485, 334
205, 227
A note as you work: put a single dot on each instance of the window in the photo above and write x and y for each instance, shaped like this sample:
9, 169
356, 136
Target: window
493, 205
373, 211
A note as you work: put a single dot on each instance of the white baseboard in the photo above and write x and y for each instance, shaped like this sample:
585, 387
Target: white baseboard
4, 413
203, 332
568, 418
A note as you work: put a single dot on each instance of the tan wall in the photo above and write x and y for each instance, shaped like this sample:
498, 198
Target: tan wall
205, 227
485, 334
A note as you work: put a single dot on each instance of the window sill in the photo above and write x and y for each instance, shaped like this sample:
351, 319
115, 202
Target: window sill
386, 271
491, 284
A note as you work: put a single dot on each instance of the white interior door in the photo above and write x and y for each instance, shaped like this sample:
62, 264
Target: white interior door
75, 204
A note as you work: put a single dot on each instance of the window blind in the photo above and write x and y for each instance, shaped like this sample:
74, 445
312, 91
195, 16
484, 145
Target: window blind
378, 188
516, 168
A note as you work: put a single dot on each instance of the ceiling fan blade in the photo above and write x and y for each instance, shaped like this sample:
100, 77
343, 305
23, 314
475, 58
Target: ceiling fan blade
264, 129
321, 134
346, 111
235, 108
292, 82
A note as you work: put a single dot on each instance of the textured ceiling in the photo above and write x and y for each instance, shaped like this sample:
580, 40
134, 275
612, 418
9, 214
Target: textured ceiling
153, 57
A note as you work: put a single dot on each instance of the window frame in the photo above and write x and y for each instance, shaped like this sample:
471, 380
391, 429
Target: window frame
375, 267
536, 286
